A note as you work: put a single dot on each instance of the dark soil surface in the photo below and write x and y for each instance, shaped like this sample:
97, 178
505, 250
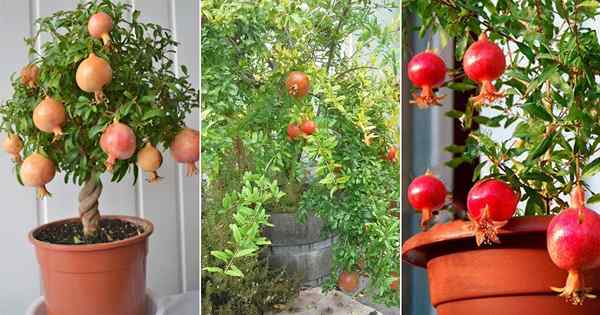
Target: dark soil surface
71, 233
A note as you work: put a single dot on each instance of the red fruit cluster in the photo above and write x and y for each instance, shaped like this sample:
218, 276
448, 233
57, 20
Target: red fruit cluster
483, 62
306, 128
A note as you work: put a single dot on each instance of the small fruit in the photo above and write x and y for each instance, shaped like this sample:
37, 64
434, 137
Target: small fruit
293, 132
427, 71
484, 62
391, 154
573, 242
149, 160
118, 142
13, 146
298, 84
490, 204
185, 148
396, 283
37, 171
426, 194
49, 116
99, 25
348, 281
93, 74
308, 127
29, 75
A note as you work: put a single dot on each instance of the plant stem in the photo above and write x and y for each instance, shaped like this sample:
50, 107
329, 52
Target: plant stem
88, 206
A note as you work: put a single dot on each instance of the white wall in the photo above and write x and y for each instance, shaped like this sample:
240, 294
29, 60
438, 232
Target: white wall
172, 205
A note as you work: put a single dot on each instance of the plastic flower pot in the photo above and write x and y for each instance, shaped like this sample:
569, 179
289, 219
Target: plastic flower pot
95, 279
513, 277
38, 307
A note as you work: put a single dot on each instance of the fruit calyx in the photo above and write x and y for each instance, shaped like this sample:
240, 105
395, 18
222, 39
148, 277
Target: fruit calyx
486, 230
575, 291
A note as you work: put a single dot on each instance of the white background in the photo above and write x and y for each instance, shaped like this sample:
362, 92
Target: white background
172, 205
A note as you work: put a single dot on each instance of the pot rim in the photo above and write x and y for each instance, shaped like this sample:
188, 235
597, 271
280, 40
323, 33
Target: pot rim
414, 250
146, 224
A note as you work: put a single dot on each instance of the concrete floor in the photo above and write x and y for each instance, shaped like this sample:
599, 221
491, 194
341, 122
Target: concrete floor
313, 302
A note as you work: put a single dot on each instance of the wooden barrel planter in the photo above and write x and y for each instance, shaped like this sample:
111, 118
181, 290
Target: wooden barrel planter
513, 277
299, 248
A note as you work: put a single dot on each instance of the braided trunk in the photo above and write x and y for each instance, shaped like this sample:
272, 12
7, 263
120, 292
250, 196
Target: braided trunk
88, 206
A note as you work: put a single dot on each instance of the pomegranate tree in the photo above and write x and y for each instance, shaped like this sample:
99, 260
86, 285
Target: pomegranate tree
88, 110
426, 194
490, 204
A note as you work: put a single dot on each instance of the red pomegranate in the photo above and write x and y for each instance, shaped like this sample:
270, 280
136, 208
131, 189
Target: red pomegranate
427, 71
484, 62
185, 148
391, 154
30, 75
99, 25
118, 142
573, 242
49, 115
490, 204
348, 281
37, 171
426, 194
13, 145
308, 127
297, 84
293, 131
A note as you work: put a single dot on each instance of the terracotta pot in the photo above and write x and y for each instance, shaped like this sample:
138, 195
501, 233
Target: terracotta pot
97, 279
511, 278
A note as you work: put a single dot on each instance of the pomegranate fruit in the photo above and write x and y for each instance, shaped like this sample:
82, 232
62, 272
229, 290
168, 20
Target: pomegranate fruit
348, 281
308, 127
391, 154
426, 194
29, 75
99, 25
293, 132
484, 62
298, 84
490, 204
92, 75
13, 146
396, 282
49, 115
427, 71
186, 149
149, 160
37, 171
573, 242
118, 142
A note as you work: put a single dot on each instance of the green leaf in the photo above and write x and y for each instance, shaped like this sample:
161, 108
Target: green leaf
541, 148
245, 252
592, 168
220, 255
537, 111
461, 86
234, 272
594, 199
213, 269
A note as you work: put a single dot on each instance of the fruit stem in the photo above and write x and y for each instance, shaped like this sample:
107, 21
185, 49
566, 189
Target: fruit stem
578, 201
17, 158
191, 169
106, 40
153, 177
110, 162
42, 192
425, 217
88, 206
574, 290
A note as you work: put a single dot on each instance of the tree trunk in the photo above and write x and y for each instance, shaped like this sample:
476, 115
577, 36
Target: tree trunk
88, 206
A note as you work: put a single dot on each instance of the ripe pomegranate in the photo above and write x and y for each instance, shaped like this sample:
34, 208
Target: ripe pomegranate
427, 71
49, 115
149, 160
490, 204
348, 281
426, 194
29, 75
13, 145
573, 242
396, 283
186, 149
484, 62
391, 154
308, 127
298, 84
37, 171
293, 132
93, 74
118, 142
99, 25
